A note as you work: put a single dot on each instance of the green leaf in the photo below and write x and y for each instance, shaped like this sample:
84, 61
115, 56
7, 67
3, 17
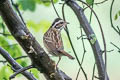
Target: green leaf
14, 49
35, 72
23, 63
46, 4
38, 1
0, 25
5, 73
2, 74
27, 4
119, 13
33, 25
42, 25
3, 42
55, 1
0, 20
90, 2
116, 16
93, 38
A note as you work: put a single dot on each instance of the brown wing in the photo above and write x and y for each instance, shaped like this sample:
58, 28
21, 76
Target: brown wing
52, 40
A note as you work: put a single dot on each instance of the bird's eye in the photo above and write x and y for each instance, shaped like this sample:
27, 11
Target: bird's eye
61, 22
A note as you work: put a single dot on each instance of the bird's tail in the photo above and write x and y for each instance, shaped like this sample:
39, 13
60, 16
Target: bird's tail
66, 54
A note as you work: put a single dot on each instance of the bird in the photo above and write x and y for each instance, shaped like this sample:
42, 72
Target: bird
53, 41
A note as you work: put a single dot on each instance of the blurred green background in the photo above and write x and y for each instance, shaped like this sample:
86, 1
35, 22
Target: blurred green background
39, 14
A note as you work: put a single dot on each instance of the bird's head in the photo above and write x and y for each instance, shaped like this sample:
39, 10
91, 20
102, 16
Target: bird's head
59, 24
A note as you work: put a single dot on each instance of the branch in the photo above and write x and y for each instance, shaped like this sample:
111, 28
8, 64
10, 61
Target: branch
17, 9
4, 61
4, 34
98, 3
55, 8
104, 42
92, 38
93, 75
14, 64
116, 46
38, 56
84, 52
101, 2
21, 70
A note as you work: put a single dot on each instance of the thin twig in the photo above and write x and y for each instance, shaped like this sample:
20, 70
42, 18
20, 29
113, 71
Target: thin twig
55, 8
5, 34
91, 13
101, 2
3, 26
108, 51
97, 77
20, 71
83, 53
80, 37
67, 32
4, 61
118, 29
83, 42
15, 65
12, 68
96, 3
93, 72
21, 57
115, 45
17, 9
78, 74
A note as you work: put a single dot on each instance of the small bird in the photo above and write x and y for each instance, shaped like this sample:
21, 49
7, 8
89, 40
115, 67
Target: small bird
53, 41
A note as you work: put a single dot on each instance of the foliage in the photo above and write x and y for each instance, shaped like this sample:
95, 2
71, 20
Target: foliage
43, 25
35, 72
5, 72
0, 23
90, 2
31, 4
117, 15
8, 42
14, 49
27, 4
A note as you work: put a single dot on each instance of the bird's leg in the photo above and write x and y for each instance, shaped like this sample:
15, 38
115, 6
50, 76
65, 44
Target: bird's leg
58, 61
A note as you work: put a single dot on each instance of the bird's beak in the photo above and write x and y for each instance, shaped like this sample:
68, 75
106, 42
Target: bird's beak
65, 23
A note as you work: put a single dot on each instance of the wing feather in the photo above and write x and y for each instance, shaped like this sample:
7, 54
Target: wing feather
53, 41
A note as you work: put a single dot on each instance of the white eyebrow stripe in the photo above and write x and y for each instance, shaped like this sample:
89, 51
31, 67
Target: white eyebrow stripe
57, 23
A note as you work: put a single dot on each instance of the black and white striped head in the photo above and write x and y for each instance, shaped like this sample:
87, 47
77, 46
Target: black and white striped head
59, 24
